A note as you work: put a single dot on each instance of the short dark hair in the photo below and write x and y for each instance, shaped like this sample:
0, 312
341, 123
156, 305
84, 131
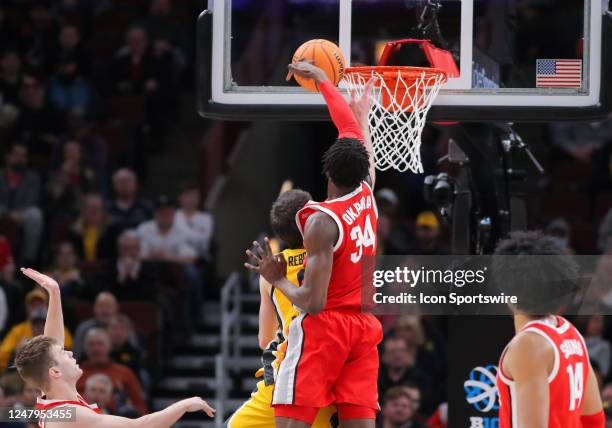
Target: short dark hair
542, 285
396, 392
282, 216
34, 360
346, 162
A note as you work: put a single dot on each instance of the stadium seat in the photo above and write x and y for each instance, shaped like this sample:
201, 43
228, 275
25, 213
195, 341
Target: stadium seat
129, 108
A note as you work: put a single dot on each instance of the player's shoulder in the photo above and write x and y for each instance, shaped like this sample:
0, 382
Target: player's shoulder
84, 417
529, 344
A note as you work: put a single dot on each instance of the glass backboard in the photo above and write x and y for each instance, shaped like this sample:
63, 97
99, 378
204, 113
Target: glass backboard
518, 59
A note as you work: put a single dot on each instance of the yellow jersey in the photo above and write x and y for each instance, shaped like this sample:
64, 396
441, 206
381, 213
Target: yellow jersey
285, 312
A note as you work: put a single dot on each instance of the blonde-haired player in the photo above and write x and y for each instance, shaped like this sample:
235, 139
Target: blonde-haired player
275, 315
45, 363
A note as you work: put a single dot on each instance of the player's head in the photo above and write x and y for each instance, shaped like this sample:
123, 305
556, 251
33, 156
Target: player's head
536, 270
43, 363
282, 216
346, 163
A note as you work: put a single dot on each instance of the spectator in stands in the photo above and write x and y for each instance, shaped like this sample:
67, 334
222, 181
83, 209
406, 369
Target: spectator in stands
66, 270
559, 230
99, 390
39, 123
90, 234
10, 76
581, 140
162, 240
399, 410
393, 235
69, 43
427, 235
127, 210
93, 146
398, 368
39, 34
67, 184
105, 306
198, 223
127, 279
122, 350
431, 349
165, 32
141, 70
36, 302
138, 69
69, 91
127, 391
599, 348
20, 198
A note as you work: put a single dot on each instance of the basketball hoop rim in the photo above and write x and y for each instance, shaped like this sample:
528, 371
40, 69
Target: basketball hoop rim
390, 73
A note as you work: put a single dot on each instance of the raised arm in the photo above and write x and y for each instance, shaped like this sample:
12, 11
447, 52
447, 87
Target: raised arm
54, 324
361, 109
350, 120
85, 418
320, 235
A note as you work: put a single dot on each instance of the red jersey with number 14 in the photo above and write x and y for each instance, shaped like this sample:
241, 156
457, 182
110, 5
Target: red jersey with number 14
566, 382
355, 214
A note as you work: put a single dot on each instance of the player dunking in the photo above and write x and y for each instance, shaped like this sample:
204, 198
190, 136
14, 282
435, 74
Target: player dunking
43, 362
275, 315
331, 348
544, 376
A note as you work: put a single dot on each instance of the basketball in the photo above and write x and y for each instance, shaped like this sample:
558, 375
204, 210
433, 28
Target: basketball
325, 55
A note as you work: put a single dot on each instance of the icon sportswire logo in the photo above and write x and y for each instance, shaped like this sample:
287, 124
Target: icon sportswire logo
481, 389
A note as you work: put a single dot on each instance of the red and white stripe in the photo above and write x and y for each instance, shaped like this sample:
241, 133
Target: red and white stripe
568, 75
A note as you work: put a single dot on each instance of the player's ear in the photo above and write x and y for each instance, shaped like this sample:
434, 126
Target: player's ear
54, 373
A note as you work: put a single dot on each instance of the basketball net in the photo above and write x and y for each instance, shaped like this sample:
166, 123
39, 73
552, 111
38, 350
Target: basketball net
401, 98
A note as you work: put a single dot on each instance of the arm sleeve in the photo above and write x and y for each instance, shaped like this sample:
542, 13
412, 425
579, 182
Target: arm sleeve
340, 112
598, 420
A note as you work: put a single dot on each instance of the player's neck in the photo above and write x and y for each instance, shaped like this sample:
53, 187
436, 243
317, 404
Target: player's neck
334, 192
62, 391
520, 320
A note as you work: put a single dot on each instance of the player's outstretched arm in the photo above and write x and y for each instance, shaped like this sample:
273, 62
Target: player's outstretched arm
339, 110
320, 234
268, 321
54, 324
592, 408
528, 361
361, 109
85, 418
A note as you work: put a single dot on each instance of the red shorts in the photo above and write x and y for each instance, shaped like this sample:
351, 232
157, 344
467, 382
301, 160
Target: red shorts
331, 357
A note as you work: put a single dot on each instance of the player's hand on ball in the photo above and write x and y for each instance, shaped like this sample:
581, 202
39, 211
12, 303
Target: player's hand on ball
273, 267
195, 404
306, 70
44, 281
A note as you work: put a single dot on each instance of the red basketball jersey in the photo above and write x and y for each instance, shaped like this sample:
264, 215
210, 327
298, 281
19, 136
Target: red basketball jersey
43, 404
567, 380
355, 215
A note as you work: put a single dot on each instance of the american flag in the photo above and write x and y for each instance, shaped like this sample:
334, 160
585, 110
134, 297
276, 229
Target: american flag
559, 73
